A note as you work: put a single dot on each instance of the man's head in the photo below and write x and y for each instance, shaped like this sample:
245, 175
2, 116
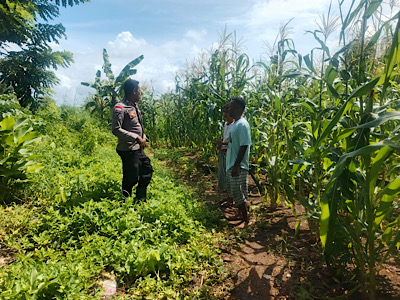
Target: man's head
132, 90
237, 107
225, 110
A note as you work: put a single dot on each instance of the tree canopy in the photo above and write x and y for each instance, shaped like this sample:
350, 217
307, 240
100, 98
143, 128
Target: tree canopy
26, 57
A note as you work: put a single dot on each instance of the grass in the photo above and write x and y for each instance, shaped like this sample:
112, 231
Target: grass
74, 226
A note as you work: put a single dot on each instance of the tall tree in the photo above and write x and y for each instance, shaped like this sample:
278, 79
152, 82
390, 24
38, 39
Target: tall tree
26, 57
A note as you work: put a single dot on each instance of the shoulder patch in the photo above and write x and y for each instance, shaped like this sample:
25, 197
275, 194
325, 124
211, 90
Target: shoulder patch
118, 108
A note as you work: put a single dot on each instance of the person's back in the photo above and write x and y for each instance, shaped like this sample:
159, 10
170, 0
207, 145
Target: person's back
127, 125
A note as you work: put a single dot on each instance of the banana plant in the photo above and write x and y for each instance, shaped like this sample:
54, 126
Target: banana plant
98, 106
110, 89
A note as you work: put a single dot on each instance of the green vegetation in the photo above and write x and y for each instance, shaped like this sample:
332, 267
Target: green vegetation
324, 125
325, 132
73, 223
109, 90
26, 26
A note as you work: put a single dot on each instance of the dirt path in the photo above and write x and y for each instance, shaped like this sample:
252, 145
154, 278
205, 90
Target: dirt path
263, 258
268, 261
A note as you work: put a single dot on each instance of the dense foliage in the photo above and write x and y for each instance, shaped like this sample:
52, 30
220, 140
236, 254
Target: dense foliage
324, 125
73, 224
26, 57
16, 159
325, 132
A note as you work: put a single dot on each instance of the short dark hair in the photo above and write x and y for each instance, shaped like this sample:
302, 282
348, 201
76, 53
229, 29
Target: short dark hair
227, 107
130, 85
239, 101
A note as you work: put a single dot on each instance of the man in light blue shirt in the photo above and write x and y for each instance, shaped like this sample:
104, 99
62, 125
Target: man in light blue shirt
237, 159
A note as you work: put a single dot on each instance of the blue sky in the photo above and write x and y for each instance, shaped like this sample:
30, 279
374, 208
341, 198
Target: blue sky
170, 33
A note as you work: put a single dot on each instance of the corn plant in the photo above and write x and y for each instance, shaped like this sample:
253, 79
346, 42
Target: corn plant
269, 117
324, 127
358, 210
194, 113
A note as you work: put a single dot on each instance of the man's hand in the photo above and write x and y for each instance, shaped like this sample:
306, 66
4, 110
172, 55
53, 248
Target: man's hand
219, 142
142, 142
235, 171
239, 158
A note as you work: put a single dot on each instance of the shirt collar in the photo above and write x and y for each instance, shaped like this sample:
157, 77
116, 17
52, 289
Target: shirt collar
129, 102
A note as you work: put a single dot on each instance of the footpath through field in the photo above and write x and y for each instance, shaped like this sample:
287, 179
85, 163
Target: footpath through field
265, 260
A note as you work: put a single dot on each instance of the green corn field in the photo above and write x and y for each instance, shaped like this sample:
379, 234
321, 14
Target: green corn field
325, 130
325, 127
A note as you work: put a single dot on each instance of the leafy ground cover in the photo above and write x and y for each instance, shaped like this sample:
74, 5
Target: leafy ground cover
71, 225
69, 229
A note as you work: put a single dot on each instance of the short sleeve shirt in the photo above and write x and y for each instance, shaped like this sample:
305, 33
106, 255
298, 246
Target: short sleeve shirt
227, 131
239, 136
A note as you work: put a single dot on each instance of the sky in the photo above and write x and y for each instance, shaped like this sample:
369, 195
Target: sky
171, 33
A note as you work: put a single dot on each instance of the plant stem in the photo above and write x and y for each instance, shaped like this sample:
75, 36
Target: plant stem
361, 65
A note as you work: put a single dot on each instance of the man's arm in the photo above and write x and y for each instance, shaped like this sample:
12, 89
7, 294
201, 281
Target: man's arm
117, 130
239, 158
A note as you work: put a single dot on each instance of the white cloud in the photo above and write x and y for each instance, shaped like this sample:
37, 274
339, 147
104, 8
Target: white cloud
197, 35
263, 19
159, 67
65, 81
125, 40
257, 21
265, 13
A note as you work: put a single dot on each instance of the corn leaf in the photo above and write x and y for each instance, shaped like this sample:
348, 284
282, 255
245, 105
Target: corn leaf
334, 93
360, 152
365, 89
309, 63
372, 7
393, 115
324, 222
346, 106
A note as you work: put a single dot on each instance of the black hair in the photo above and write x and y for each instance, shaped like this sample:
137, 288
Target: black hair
239, 101
130, 85
226, 107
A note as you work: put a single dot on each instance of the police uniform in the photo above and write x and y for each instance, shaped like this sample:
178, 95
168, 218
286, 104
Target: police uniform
127, 125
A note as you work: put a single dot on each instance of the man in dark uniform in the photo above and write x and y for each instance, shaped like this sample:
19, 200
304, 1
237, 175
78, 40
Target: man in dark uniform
127, 125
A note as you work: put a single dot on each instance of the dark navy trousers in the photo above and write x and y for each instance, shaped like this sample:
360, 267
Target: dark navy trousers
136, 169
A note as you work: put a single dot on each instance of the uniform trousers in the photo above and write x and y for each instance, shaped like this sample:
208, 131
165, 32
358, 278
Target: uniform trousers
136, 169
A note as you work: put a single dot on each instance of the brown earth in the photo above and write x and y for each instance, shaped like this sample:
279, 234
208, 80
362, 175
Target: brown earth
267, 260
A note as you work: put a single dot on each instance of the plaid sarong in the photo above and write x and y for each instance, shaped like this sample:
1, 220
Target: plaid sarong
237, 186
